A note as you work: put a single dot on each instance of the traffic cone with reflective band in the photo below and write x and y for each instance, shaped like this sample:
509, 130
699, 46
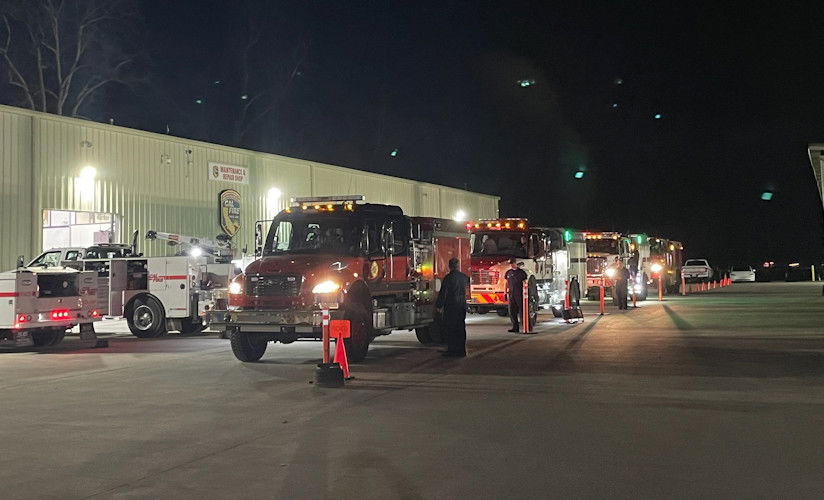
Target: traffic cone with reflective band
340, 357
683, 286
601, 297
525, 309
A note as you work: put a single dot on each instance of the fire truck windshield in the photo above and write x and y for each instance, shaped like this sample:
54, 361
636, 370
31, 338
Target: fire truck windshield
606, 246
313, 233
499, 243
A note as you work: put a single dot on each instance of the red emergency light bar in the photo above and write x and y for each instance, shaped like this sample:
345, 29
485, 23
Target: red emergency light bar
58, 314
497, 224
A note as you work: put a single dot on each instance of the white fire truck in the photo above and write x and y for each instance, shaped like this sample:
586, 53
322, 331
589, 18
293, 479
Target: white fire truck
37, 306
550, 256
159, 294
604, 249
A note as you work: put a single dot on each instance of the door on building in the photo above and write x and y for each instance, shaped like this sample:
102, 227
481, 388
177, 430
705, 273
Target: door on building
66, 228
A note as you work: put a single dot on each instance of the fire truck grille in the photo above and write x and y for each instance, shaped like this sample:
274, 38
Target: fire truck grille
485, 277
284, 285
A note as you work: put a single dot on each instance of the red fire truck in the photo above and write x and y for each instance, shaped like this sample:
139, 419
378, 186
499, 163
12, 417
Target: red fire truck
551, 257
368, 263
666, 260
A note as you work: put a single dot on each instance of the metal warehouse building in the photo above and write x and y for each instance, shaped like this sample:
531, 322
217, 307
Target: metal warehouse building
71, 182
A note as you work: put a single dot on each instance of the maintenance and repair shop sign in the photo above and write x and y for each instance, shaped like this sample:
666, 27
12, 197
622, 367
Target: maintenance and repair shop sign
228, 173
229, 215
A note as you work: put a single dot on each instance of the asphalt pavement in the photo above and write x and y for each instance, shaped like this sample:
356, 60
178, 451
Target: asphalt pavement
714, 395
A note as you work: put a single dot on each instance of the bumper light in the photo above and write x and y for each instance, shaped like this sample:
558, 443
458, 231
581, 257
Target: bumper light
235, 288
325, 287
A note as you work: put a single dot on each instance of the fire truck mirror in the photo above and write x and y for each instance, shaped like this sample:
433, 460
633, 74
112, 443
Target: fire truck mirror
258, 239
21, 260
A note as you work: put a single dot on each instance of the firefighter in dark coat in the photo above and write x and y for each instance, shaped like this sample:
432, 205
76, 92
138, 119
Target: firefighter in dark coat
452, 304
515, 278
622, 277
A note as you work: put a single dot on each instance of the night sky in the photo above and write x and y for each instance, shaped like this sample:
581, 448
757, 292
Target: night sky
739, 90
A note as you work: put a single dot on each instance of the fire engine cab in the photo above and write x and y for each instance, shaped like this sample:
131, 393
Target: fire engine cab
666, 261
367, 263
37, 306
605, 249
552, 258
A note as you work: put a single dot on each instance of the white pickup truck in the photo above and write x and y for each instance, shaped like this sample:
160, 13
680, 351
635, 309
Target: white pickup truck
697, 270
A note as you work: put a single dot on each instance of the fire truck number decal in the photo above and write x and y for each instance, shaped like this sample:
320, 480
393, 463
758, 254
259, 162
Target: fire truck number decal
159, 278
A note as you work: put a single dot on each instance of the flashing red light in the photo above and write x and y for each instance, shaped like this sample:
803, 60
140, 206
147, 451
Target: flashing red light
94, 313
468, 226
60, 314
21, 318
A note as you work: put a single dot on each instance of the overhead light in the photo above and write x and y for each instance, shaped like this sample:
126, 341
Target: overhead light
88, 172
460, 215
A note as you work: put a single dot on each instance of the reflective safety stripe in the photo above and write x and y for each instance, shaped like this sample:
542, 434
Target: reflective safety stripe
488, 298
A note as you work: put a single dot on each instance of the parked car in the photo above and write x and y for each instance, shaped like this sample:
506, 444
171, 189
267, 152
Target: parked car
697, 270
742, 274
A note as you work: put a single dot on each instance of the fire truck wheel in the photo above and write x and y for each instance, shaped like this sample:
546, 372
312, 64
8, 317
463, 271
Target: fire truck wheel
644, 289
47, 337
247, 347
59, 334
502, 312
189, 326
360, 332
429, 334
147, 318
532, 303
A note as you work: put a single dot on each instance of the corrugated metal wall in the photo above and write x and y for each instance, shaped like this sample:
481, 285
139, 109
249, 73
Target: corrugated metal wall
153, 181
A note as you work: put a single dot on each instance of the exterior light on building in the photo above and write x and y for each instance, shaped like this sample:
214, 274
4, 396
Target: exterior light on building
579, 174
88, 172
273, 200
460, 215
766, 195
84, 182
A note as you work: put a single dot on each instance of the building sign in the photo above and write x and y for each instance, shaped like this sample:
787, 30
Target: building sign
228, 173
229, 211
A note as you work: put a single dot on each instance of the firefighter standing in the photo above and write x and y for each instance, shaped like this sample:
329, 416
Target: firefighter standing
515, 278
452, 304
621, 283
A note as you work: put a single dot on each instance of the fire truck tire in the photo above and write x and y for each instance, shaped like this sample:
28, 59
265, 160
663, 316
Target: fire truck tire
59, 335
482, 310
532, 299
189, 326
47, 337
146, 318
360, 333
644, 289
502, 312
248, 347
430, 334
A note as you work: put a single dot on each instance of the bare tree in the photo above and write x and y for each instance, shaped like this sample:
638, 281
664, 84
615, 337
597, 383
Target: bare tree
264, 86
58, 53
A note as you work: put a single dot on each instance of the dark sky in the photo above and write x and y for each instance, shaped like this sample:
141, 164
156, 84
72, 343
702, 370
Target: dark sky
739, 87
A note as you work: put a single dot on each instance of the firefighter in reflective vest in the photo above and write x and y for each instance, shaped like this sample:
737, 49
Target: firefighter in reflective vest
515, 278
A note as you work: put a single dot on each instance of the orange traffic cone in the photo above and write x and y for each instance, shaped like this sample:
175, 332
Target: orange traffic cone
340, 357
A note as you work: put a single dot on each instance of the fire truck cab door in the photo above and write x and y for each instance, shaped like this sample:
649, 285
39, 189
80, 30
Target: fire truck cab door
396, 233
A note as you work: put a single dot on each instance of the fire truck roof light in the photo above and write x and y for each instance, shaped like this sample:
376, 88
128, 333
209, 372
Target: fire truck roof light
312, 200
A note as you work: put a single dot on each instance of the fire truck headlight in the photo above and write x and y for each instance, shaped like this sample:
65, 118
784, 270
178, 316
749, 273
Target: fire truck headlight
610, 272
656, 268
235, 288
196, 252
325, 287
